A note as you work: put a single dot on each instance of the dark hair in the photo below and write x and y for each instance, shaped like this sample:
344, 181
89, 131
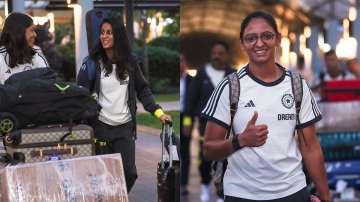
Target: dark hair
221, 43
42, 35
330, 52
122, 56
258, 14
14, 40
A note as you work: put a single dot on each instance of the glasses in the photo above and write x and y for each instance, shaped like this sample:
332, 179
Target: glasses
265, 37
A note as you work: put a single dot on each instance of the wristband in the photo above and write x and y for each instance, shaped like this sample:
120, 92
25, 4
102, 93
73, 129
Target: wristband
158, 113
187, 121
235, 143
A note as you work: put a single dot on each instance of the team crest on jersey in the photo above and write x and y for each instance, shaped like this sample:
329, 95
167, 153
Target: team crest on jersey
287, 101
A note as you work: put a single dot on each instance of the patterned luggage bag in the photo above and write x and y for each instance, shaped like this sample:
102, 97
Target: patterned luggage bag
50, 142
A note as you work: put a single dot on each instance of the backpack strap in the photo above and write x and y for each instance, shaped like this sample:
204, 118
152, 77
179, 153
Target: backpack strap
234, 95
297, 88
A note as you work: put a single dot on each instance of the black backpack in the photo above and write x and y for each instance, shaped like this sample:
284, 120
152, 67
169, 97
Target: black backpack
40, 101
38, 73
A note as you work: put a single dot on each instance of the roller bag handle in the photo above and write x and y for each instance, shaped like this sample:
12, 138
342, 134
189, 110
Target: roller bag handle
168, 145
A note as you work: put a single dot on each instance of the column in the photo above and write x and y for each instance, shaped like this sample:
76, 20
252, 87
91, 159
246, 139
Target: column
316, 60
128, 10
332, 33
81, 46
356, 31
297, 44
14, 6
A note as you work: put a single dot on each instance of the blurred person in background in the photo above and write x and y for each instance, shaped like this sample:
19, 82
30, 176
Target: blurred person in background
353, 67
54, 57
201, 88
185, 136
333, 70
305, 72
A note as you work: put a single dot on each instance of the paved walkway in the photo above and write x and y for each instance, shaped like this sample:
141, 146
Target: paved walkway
194, 178
167, 106
148, 152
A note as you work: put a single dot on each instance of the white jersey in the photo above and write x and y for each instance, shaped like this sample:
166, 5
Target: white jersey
113, 97
38, 61
273, 170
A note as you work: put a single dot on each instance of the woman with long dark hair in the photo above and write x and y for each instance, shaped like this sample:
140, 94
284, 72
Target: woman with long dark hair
112, 73
17, 50
265, 157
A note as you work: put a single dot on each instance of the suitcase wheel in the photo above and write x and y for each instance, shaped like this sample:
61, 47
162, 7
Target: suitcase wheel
7, 123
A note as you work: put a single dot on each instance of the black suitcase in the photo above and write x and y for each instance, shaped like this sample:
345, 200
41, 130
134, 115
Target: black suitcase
168, 170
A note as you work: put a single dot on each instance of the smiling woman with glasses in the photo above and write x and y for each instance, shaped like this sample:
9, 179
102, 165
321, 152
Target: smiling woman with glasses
265, 157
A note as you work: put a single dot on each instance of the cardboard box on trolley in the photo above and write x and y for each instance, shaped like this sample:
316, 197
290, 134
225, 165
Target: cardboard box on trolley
85, 179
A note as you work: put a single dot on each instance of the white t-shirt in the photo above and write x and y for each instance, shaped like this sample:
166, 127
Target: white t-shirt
113, 97
215, 75
38, 61
273, 170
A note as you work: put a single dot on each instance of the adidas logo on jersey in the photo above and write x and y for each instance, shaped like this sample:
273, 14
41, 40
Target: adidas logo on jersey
250, 104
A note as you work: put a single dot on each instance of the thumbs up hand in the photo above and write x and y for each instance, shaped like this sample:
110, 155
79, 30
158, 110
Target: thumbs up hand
254, 135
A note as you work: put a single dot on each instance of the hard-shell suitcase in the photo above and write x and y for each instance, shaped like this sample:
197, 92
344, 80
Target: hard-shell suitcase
168, 171
50, 142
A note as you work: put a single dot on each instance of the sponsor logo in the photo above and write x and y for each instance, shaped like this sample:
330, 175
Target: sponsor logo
286, 117
250, 104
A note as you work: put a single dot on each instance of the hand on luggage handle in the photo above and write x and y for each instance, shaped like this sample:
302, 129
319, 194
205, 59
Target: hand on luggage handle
169, 122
